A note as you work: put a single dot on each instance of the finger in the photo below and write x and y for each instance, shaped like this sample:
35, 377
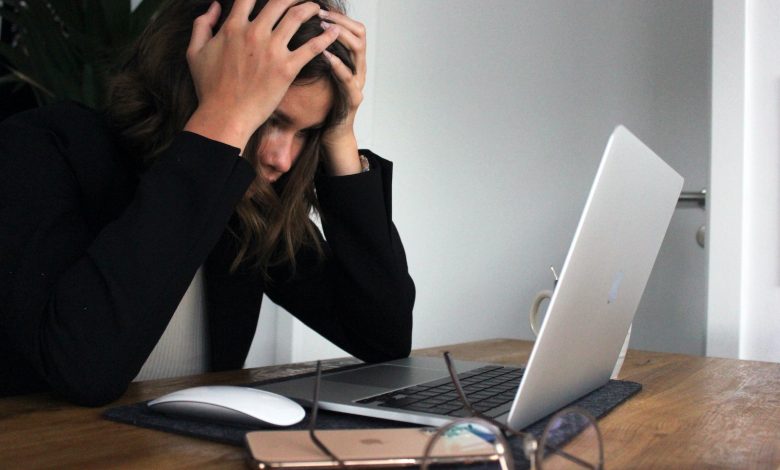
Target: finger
355, 27
341, 70
293, 19
355, 45
346, 37
354, 39
304, 54
202, 28
272, 11
241, 10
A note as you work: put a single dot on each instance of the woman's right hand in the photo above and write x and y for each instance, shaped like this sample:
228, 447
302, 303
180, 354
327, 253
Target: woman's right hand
243, 72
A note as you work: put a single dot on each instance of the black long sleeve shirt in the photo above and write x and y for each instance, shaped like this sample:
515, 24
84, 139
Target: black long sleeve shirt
95, 257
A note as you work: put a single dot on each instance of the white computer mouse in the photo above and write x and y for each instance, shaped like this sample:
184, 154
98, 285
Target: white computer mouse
230, 404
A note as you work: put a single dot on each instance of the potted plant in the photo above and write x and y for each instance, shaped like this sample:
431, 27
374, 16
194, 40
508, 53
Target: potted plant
64, 49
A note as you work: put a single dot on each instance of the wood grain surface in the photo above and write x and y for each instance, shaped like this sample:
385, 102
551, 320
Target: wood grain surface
693, 412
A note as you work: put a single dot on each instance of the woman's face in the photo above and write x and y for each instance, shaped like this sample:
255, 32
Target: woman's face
302, 111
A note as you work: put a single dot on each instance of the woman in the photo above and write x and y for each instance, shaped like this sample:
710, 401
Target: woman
214, 158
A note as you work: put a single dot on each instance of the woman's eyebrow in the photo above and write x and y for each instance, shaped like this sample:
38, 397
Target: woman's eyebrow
283, 118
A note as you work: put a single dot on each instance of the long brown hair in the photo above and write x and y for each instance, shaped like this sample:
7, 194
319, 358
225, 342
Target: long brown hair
152, 96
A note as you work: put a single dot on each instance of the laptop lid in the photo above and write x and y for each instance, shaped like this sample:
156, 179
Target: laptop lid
601, 283
618, 238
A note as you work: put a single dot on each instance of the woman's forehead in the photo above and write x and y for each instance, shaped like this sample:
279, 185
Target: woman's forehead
305, 106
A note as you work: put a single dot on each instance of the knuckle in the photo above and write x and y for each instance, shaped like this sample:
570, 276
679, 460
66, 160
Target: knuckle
287, 70
316, 47
200, 20
253, 35
230, 27
300, 12
360, 30
271, 58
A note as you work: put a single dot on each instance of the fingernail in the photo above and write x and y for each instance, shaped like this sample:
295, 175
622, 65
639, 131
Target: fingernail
323, 13
325, 25
327, 54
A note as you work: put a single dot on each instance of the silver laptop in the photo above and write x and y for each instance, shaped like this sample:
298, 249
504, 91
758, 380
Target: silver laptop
601, 283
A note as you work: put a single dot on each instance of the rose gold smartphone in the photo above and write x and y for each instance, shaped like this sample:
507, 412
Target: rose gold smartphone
363, 448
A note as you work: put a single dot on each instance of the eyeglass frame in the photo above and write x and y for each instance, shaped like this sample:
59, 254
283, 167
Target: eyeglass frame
531, 447
501, 431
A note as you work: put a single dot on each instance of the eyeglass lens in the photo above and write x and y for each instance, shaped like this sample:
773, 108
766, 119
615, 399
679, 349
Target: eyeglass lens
571, 439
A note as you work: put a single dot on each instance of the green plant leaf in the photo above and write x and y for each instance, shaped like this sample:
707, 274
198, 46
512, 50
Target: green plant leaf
11, 55
37, 87
96, 30
51, 54
9, 13
70, 12
12, 82
143, 15
89, 87
65, 47
9, 78
116, 17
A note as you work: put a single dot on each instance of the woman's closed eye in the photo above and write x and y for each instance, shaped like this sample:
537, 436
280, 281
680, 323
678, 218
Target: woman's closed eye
309, 132
303, 134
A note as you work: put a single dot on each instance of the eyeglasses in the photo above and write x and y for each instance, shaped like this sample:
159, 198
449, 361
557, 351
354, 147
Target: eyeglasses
571, 438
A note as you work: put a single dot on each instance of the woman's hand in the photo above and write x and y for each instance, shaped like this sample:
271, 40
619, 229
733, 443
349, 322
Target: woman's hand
243, 72
339, 141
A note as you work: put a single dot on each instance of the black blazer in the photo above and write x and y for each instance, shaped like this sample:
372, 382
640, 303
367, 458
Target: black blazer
95, 257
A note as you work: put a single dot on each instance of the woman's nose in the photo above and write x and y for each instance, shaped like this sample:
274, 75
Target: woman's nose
282, 151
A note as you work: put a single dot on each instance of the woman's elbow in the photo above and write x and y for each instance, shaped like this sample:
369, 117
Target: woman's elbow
401, 344
91, 394
393, 339
89, 384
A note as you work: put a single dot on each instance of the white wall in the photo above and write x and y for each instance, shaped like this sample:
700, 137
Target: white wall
745, 268
760, 319
726, 178
496, 114
496, 118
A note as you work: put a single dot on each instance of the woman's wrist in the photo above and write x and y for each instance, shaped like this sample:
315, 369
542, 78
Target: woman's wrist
219, 126
342, 157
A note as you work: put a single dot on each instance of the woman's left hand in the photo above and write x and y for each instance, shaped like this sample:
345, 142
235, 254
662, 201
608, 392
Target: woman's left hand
339, 141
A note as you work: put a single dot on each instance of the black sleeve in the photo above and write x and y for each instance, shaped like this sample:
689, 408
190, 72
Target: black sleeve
360, 296
84, 308
233, 298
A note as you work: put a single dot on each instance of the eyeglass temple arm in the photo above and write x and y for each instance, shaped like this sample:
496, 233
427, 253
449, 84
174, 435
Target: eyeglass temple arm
458, 387
571, 458
313, 421
502, 427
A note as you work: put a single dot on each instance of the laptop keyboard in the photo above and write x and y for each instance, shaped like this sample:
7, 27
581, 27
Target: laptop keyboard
489, 389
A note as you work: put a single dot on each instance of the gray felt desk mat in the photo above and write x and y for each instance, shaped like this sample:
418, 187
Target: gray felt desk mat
599, 403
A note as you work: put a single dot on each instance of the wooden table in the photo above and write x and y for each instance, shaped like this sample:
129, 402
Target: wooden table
694, 412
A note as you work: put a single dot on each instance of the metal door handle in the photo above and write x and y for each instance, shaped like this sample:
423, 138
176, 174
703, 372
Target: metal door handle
699, 197
694, 196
